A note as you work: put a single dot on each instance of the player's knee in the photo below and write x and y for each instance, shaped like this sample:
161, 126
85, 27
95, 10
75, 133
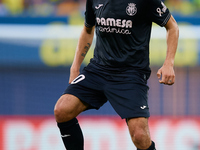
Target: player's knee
62, 114
138, 128
68, 107
58, 114
141, 138
138, 136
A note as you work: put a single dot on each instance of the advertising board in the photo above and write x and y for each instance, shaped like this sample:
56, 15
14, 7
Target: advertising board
100, 132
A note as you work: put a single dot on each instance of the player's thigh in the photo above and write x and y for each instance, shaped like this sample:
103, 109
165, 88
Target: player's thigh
68, 107
138, 126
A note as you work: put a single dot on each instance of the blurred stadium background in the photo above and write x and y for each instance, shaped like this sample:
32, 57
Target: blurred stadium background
37, 44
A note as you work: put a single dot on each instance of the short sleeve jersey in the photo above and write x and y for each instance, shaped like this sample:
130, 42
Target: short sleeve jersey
123, 29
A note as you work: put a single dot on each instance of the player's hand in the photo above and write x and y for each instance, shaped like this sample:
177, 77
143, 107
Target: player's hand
166, 75
73, 74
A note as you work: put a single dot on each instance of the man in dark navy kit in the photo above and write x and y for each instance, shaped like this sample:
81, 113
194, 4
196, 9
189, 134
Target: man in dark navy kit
119, 70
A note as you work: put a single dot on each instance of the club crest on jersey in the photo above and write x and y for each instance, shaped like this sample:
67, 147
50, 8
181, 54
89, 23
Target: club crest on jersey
131, 9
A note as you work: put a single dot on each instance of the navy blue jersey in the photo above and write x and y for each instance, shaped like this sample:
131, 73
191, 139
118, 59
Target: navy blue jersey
123, 29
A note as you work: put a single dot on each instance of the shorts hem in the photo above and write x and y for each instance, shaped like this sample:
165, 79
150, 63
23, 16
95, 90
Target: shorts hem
136, 116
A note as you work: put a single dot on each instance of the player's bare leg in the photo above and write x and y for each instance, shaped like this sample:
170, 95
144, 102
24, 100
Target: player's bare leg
65, 111
139, 131
68, 107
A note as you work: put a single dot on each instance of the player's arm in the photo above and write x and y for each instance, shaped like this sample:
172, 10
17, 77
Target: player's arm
84, 43
166, 72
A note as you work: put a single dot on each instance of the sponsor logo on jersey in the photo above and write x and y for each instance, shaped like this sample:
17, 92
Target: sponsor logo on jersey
114, 22
114, 30
131, 9
112, 25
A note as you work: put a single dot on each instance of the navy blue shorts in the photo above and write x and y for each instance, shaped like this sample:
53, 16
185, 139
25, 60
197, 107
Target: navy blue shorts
127, 94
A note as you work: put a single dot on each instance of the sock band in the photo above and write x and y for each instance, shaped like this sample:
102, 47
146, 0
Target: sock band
152, 147
68, 123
